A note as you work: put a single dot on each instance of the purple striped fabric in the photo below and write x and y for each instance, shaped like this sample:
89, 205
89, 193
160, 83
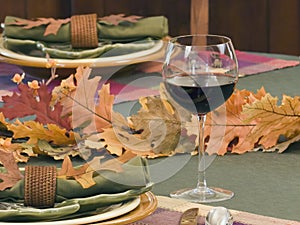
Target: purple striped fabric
250, 63
168, 217
123, 90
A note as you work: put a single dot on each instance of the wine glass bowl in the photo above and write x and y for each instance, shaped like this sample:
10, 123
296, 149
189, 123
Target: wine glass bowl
200, 73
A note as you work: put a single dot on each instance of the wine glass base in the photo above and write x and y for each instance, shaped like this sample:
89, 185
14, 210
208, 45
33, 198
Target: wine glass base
205, 195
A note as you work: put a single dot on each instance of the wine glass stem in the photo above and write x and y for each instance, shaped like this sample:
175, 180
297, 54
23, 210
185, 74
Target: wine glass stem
201, 185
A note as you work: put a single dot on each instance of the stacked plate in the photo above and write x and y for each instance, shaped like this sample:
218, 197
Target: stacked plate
36, 66
133, 208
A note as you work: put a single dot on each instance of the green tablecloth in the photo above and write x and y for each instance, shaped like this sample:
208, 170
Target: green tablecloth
263, 183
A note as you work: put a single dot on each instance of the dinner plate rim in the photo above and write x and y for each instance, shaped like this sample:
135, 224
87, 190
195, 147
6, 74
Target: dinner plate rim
151, 54
148, 204
123, 209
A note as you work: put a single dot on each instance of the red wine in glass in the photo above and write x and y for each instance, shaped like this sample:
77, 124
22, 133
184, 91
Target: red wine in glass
205, 92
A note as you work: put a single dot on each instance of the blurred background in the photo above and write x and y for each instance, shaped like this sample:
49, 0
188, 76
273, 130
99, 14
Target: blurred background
254, 25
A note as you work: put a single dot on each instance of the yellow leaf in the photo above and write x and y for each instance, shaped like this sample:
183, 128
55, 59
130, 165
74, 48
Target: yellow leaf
86, 180
83, 174
104, 108
2, 119
273, 120
83, 100
160, 127
13, 174
36, 131
225, 129
67, 169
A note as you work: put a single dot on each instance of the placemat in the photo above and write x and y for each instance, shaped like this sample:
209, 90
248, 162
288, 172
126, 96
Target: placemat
163, 216
251, 63
130, 86
170, 209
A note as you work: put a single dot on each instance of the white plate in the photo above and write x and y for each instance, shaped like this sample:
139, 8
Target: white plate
115, 212
24, 60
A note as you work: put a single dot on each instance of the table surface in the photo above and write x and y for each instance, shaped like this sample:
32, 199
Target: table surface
264, 183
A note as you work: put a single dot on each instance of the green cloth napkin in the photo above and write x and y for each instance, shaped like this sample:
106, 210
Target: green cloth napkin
31, 41
133, 177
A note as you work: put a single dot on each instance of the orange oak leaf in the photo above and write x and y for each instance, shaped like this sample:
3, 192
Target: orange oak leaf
103, 109
273, 120
91, 107
26, 103
65, 92
116, 19
236, 131
225, 128
12, 174
4, 132
21, 151
154, 130
36, 131
82, 174
53, 25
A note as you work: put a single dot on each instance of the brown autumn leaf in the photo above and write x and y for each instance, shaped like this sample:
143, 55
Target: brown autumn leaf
4, 132
82, 174
273, 119
85, 173
121, 138
2, 119
21, 151
52, 25
12, 174
160, 124
25, 103
55, 151
103, 110
86, 113
116, 19
36, 131
225, 128
236, 131
154, 130
64, 93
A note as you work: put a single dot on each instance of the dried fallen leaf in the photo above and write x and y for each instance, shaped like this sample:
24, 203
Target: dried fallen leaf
225, 128
155, 129
118, 18
36, 131
86, 114
57, 152
53, 25
273, 120
82, 174
103, 109
229, 127
13, 174
26, 103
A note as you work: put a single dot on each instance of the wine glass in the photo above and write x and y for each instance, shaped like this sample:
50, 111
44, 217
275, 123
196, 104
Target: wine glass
200, 73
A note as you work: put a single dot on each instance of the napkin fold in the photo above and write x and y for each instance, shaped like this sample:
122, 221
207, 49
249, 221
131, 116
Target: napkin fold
29, 41
133, 177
